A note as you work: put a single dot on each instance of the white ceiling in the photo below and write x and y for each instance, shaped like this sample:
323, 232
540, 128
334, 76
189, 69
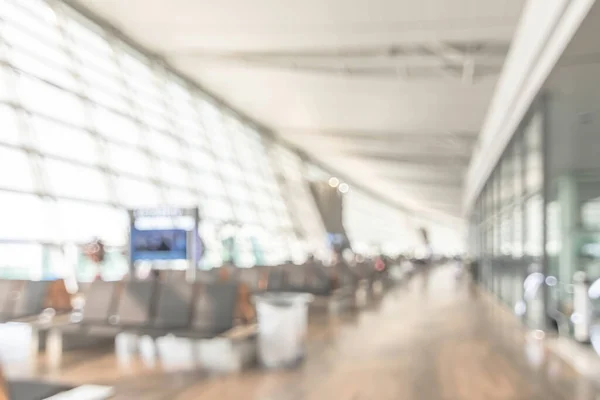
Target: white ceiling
390, 93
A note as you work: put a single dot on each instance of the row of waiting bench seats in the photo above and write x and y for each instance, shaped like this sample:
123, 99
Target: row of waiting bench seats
156, 309
208, 307
147, 307
310, 278
21, 299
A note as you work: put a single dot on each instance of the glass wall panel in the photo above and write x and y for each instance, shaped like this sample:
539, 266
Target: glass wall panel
102, 128
20, 176
137, 193
51, 101
10, 126
508, 219
57, 139
75, 181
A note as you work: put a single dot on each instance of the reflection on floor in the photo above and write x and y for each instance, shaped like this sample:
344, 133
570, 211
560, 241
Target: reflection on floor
433, 338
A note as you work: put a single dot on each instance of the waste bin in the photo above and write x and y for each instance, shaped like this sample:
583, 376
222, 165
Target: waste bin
282, 325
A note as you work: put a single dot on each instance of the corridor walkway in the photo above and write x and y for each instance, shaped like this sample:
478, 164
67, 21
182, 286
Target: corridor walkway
434, 338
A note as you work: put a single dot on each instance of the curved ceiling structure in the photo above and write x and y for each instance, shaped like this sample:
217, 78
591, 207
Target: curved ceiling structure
390, 94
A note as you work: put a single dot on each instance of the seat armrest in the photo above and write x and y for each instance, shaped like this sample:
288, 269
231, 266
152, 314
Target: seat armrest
85, 392
42, 322
241, 332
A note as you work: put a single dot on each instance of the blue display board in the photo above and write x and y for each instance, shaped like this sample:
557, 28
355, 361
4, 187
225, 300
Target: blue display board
166, 244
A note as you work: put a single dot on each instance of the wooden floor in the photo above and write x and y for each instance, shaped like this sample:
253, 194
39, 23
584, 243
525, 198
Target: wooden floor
433, 338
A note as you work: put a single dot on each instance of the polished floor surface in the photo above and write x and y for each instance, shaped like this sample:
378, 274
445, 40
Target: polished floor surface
432, 338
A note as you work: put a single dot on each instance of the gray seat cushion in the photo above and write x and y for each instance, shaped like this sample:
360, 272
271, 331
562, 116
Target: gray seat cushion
134, 304
276, 280
214, 307
34, 390
296, 277
319, 283
7, 288
100, 302
174, 308
30, 299
250, 277
207, 276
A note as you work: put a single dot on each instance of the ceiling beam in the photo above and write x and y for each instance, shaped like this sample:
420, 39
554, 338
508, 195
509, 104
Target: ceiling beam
421, 159
454, 50
415, 180
363, 134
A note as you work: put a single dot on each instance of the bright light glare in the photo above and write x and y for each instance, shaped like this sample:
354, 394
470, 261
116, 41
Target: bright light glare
344, 188
539, 334
334, 182
551, 281
520, 308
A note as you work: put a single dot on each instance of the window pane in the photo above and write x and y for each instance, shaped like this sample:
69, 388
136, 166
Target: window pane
20, 176
116, 127
518, 166
7, 79
89, 38
133, 193
48, 100
181, 198
239, 192
534, 210
76, 181
518, 231
23, 217
9, 132
231, 173
164, 145
128, 160
174, 174
533, 164
57, 139
210, 184
34, 11
506, 230
81, 222
216, 209
43, 68
245, 213
104, 81
21, 260
202, 161
191, 133
506, 178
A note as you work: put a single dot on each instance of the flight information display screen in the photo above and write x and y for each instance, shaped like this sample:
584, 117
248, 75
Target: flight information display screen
158, 244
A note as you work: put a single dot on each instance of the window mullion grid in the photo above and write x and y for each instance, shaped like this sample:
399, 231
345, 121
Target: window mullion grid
184, 148
255, 206
68, 44
280, 182
219, 173
224, 179
135, 114
244, 181
285, 190
286, 187
211, 150
22, 117
35, 158
304, 173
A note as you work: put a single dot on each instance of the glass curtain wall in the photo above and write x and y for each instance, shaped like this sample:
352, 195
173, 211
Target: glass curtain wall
374, 227
91, 127
294, 182
507, 222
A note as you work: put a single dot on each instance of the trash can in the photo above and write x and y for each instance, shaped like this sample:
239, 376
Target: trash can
282, 326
